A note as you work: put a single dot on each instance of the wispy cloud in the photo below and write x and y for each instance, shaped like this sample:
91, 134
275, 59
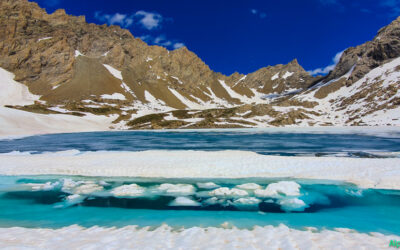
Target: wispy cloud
149, 20
121, 19
393, 7
328, 68
258, 13
162, 40
146, 20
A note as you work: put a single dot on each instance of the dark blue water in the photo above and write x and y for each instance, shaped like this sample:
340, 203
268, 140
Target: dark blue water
263, 142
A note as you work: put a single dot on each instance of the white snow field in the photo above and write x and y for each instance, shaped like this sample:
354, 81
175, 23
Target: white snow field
364, 172
165, 237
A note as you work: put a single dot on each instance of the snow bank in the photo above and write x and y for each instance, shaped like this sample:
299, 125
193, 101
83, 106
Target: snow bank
131, 237
12, 92
370, 173
16, 123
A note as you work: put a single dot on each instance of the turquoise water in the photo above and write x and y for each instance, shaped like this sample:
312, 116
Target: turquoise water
319, 204
329, 205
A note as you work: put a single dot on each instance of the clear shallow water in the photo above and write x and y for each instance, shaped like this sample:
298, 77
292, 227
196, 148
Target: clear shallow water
263, 142
328, 205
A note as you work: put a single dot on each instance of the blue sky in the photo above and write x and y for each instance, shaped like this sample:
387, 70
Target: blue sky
245, 35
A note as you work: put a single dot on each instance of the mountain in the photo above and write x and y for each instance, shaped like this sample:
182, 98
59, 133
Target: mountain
81, 69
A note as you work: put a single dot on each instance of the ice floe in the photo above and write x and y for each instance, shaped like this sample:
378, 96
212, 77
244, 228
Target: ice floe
228, 192
286, 188
207, 185
292, 204
132, 190
185, 202
176, 189
249, 186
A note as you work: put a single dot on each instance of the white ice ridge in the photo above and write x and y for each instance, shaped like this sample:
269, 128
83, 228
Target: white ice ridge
365, 172
164, 237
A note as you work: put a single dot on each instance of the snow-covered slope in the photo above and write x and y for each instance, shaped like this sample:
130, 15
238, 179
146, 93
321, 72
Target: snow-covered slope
18, 123
372, 100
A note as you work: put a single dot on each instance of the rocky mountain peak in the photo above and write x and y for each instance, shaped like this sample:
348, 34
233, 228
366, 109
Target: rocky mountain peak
79, 68
358, 61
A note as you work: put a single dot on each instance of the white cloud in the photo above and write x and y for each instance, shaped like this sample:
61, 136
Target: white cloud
393, 7
162, 40
178, 45
121, 19
258, 13
149, 20
328, 68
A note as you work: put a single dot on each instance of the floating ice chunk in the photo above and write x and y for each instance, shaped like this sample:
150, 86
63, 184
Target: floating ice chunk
207, 185
293, 204
43, 186
74, 199
246, 202
249, 186
184, 201
216, 201
87, 188
226, 192
68, 185
286, 188
211, 201
104, 184
70, 201
176, 189
80, 187
132, 190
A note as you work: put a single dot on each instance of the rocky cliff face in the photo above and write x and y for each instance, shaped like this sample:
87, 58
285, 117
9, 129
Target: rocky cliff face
79, 68
360, 60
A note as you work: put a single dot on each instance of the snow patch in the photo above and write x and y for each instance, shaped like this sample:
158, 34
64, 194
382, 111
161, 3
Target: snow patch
115, 96
287, 74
